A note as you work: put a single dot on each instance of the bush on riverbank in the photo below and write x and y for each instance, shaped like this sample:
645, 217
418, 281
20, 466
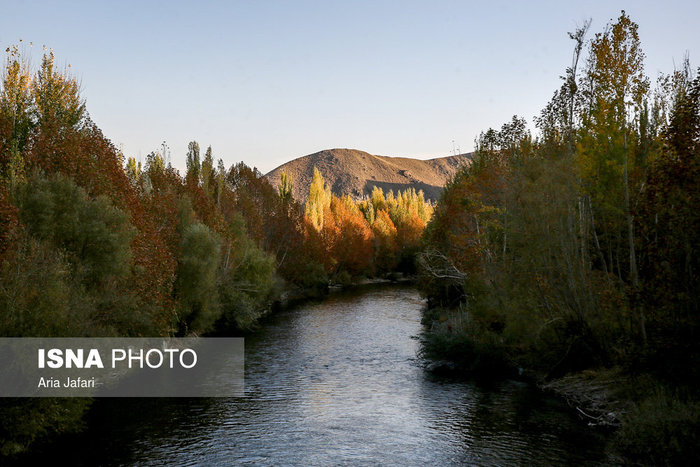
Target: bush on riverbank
25, 421
661, 429
455, 336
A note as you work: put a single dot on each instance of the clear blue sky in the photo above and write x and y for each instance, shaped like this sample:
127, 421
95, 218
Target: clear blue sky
268, 81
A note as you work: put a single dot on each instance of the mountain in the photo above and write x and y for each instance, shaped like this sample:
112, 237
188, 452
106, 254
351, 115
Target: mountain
353, 172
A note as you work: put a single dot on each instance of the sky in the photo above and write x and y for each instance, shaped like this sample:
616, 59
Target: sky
264, 82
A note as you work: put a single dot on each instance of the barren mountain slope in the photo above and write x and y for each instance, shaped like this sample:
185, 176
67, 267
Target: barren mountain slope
353, 172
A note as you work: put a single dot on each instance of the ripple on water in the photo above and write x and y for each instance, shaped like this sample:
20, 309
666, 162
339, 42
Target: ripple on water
340, 382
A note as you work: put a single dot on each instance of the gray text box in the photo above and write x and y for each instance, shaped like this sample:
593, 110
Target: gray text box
121, 367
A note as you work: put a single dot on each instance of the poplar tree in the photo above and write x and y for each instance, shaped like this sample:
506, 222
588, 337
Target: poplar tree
207, 173
192, 161
319, 200
615, 89
286, 186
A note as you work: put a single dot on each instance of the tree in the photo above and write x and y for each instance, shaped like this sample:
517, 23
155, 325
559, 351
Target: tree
95, 233
246, 279
319, 200
220, 179
196, 279
385, 244
15, 114
285, 188
669, 235
207, 174
133, 170
377, 198
56, 96
615, 88
192, 162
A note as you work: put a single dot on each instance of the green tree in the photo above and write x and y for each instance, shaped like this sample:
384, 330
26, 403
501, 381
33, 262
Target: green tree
207, 173
196, 288
246, 279
615, 87
56, 96
285, 188
93, 231
193, 163
220, 178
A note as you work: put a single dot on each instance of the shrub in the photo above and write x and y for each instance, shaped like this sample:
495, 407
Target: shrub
662, 430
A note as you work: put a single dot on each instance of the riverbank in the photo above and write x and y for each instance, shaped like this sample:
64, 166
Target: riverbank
293, 296
646, 419
595, 395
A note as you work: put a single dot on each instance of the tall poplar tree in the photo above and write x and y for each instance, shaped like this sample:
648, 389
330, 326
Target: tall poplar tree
319, 200
192, 162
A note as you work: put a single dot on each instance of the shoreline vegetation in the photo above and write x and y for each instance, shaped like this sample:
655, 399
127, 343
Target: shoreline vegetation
569, 258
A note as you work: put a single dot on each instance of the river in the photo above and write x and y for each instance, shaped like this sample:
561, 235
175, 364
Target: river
341, 382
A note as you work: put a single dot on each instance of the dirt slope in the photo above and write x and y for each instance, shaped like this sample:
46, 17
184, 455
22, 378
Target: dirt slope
353, 172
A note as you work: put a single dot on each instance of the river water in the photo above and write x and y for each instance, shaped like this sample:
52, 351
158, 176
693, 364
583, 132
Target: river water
341, 382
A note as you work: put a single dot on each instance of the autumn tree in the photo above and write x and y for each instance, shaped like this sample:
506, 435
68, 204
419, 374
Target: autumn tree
384, 236
15, 114
319, 200
133, 170
347, 238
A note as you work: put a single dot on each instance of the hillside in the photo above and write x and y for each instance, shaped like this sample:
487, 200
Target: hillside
353, 172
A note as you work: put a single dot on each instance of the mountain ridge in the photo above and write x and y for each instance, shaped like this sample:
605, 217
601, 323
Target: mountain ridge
356, 173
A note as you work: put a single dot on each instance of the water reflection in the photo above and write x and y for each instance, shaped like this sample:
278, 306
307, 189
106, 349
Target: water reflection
340, 382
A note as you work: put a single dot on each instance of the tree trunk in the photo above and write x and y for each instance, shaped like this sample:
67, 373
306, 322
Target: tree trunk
600, 253
634, 274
